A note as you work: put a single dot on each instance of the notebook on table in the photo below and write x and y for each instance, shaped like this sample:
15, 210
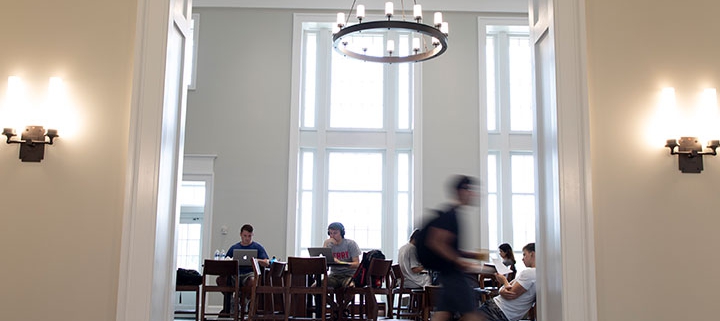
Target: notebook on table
322, 251
244, 256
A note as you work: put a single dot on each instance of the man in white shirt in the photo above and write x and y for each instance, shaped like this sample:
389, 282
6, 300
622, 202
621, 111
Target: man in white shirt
516, 297
415, 274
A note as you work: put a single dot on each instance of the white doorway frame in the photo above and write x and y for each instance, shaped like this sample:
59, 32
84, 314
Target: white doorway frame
575, 282
202, 168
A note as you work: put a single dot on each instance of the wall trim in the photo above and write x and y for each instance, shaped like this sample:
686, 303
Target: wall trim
137, 288
575, 181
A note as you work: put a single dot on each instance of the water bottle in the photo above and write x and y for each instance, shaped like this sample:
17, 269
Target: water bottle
222, 254
217, 254
273, 260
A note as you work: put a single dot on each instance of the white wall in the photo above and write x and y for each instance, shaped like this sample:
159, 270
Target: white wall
240, 111
62, 218
241, 107
648, 215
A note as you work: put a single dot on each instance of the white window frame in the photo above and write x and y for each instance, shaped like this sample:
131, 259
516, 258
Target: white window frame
404, 140
501, 142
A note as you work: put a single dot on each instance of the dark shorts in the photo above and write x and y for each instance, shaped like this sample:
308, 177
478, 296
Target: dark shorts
456, 294
492, 312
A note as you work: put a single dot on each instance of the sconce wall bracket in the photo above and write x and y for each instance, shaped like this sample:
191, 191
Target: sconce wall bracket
32, 142
690, 153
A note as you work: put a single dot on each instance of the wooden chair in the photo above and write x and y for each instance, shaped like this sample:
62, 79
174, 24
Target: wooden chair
429, 300
367, 306
413, 308
264, 291
306, 277
488, 287
190, 288
214, 268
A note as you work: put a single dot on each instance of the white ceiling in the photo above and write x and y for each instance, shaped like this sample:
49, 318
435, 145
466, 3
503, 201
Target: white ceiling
439, 5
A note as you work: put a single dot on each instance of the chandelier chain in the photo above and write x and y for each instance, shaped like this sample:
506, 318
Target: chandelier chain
352, 7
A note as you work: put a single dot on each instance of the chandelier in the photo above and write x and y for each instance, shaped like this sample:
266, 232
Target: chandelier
418, 42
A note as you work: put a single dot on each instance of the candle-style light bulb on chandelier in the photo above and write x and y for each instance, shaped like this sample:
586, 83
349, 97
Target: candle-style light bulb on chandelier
424, 41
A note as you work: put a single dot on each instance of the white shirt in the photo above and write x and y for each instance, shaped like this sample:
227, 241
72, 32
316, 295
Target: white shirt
407, 258
516, 309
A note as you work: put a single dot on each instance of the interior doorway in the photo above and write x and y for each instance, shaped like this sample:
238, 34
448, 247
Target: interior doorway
192, 241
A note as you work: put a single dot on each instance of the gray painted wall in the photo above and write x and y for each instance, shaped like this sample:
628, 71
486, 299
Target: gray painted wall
241, 110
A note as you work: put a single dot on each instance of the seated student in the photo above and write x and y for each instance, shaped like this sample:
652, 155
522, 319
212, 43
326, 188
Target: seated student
345, 251
245, 273
506, 253
516, 297
415, 274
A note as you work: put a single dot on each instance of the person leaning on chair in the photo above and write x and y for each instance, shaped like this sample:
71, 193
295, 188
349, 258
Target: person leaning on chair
515, 298
414, 273
245, 273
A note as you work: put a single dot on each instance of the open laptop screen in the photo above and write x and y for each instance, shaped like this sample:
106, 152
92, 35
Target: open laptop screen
322, 251
244, 256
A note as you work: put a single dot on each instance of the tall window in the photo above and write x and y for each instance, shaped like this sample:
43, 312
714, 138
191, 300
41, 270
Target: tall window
355, 157
511, 155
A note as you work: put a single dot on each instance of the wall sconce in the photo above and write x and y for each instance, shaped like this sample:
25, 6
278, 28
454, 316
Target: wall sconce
32, 142
20, 111
690, 153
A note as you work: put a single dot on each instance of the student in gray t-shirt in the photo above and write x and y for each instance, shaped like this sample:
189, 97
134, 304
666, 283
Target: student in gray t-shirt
346, 253
414, 272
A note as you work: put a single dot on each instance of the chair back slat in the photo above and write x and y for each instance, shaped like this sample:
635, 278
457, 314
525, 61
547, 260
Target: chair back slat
379, 269
220, 267
307, 265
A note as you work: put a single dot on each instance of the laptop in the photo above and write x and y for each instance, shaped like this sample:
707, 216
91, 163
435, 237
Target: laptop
322, 251
244, 256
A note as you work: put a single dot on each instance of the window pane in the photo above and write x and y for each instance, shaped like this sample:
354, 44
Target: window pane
493, 218
192, 193
306, 219
361, 213
523, 173
405, 94
188, 246
404, 212
521, 116
356, 93
355, 171
403, 218
307, 170
309, 81
523, 220
491, 79
492, 174
403, 170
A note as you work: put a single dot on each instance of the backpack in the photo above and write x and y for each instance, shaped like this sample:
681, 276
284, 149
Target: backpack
188, 277
359, 278
429, 259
